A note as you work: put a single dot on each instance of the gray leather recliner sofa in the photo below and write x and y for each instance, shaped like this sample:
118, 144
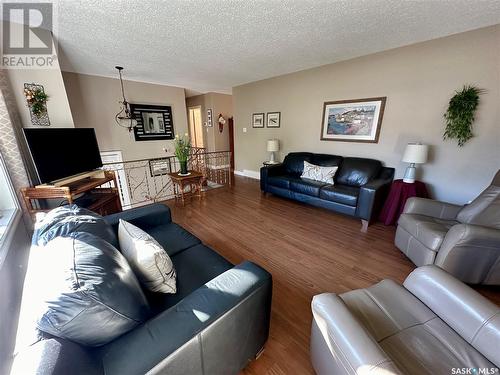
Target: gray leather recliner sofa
463, 240
431, 325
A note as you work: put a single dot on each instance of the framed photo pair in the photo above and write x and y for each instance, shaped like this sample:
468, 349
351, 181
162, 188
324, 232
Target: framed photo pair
273, 120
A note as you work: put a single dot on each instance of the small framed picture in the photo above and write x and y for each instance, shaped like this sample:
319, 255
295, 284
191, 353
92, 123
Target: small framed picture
209, 118
258, 120
273, 119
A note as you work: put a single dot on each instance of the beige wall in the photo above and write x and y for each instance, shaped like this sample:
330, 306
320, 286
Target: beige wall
94, 103
53, 84
219, 103
418, 81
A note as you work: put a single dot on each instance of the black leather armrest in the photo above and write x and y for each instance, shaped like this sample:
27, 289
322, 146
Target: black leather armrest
268, 171
56, 356
214, 330
143, 217
372, 195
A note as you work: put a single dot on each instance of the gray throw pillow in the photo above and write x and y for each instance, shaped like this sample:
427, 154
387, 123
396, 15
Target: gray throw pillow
150, 262
87, 292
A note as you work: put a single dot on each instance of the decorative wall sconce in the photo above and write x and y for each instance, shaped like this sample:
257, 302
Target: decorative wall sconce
36, 99
222, 121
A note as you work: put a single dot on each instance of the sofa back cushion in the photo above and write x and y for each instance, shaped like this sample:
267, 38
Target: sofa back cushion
326, 160
484, 210
358, 171
86, 291
294, 162
65, 220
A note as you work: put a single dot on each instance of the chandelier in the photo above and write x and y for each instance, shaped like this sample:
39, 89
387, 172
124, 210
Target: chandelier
124, 118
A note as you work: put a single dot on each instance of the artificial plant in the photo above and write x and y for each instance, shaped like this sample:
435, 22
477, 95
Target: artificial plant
36, 99
459, 116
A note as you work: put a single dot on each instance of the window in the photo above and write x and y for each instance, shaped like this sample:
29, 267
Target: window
9, 208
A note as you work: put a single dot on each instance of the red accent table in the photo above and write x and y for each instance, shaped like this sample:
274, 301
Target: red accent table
395, 203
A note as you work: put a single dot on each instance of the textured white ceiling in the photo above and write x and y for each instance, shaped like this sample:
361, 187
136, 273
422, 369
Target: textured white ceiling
214, 45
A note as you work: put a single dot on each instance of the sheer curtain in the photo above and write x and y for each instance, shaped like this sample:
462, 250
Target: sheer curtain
11, 143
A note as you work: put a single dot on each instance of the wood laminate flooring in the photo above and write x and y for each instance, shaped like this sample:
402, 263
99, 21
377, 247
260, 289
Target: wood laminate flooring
308, 251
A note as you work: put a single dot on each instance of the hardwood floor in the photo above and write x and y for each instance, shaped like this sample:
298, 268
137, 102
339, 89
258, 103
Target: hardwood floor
307, 250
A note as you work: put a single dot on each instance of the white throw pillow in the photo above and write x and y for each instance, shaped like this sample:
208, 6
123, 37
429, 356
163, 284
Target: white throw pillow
147, 258
319, 173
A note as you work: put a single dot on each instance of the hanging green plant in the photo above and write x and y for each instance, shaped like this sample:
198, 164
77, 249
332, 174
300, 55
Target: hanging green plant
459, 116
37, 100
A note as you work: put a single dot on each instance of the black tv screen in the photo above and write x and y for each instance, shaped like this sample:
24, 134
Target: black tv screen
62, 152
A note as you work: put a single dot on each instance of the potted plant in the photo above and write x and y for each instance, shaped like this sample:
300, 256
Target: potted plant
37, 100
182, 151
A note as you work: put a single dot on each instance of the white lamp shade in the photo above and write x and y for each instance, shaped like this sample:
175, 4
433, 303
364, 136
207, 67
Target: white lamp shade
415, 153
273, 145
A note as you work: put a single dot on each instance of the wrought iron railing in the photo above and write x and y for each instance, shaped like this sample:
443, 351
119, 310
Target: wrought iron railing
146, 180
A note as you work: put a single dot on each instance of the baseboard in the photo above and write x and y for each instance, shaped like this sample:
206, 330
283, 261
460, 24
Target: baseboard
248, 173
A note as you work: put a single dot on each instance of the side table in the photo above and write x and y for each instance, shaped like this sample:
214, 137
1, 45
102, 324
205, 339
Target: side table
195, 182
396, 200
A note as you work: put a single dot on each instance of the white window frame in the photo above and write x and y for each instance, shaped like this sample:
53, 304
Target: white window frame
11, 220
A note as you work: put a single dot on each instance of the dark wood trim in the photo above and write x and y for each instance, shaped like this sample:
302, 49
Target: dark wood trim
382, 99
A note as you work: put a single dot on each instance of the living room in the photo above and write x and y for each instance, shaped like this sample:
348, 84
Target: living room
250, 187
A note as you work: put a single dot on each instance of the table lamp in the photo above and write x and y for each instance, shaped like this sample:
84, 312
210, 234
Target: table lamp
415, 153
273, 145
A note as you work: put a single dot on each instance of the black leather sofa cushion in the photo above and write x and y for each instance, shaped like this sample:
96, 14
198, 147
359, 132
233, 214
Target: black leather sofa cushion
173, 238
357, 171
306, 186
294, 162
67, 219
341, 194
326, 160
91, 296
195, 267
280, 181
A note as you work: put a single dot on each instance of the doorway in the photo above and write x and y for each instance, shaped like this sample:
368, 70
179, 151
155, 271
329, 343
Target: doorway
195, 127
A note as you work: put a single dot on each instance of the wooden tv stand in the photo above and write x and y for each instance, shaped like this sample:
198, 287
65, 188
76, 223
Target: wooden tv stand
85, 191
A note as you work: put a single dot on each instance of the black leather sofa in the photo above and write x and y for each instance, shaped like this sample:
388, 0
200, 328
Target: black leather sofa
359, 190
215, 324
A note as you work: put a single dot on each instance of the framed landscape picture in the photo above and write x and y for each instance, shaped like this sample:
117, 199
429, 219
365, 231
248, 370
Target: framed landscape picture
273, 119
258, 120
154, 122
356, 120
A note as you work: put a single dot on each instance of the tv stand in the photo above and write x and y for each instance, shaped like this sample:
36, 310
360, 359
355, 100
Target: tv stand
85, 190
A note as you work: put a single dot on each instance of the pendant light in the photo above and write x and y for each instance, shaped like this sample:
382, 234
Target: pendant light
124, 118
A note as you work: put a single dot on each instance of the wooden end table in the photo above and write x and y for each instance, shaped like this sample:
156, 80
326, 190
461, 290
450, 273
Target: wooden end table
195, 182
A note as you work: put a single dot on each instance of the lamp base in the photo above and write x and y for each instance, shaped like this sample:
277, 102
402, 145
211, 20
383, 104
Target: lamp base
409, 176
272, 159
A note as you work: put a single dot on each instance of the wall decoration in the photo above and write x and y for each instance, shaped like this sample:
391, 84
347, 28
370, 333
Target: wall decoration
459, 116
258, 120
273, 119
221, 121
209, 118
154, 122
357, 120
159, 166
37, 104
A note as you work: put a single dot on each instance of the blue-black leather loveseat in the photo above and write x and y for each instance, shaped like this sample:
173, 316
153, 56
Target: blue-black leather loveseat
360, 185
215, 324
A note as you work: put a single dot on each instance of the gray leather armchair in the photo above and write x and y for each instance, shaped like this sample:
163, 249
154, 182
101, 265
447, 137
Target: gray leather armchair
463, 240
431, 325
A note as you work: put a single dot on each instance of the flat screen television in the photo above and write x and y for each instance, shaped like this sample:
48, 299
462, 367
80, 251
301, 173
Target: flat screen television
62, 152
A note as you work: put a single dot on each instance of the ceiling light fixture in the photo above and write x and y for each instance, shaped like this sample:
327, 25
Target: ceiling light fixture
124, 118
